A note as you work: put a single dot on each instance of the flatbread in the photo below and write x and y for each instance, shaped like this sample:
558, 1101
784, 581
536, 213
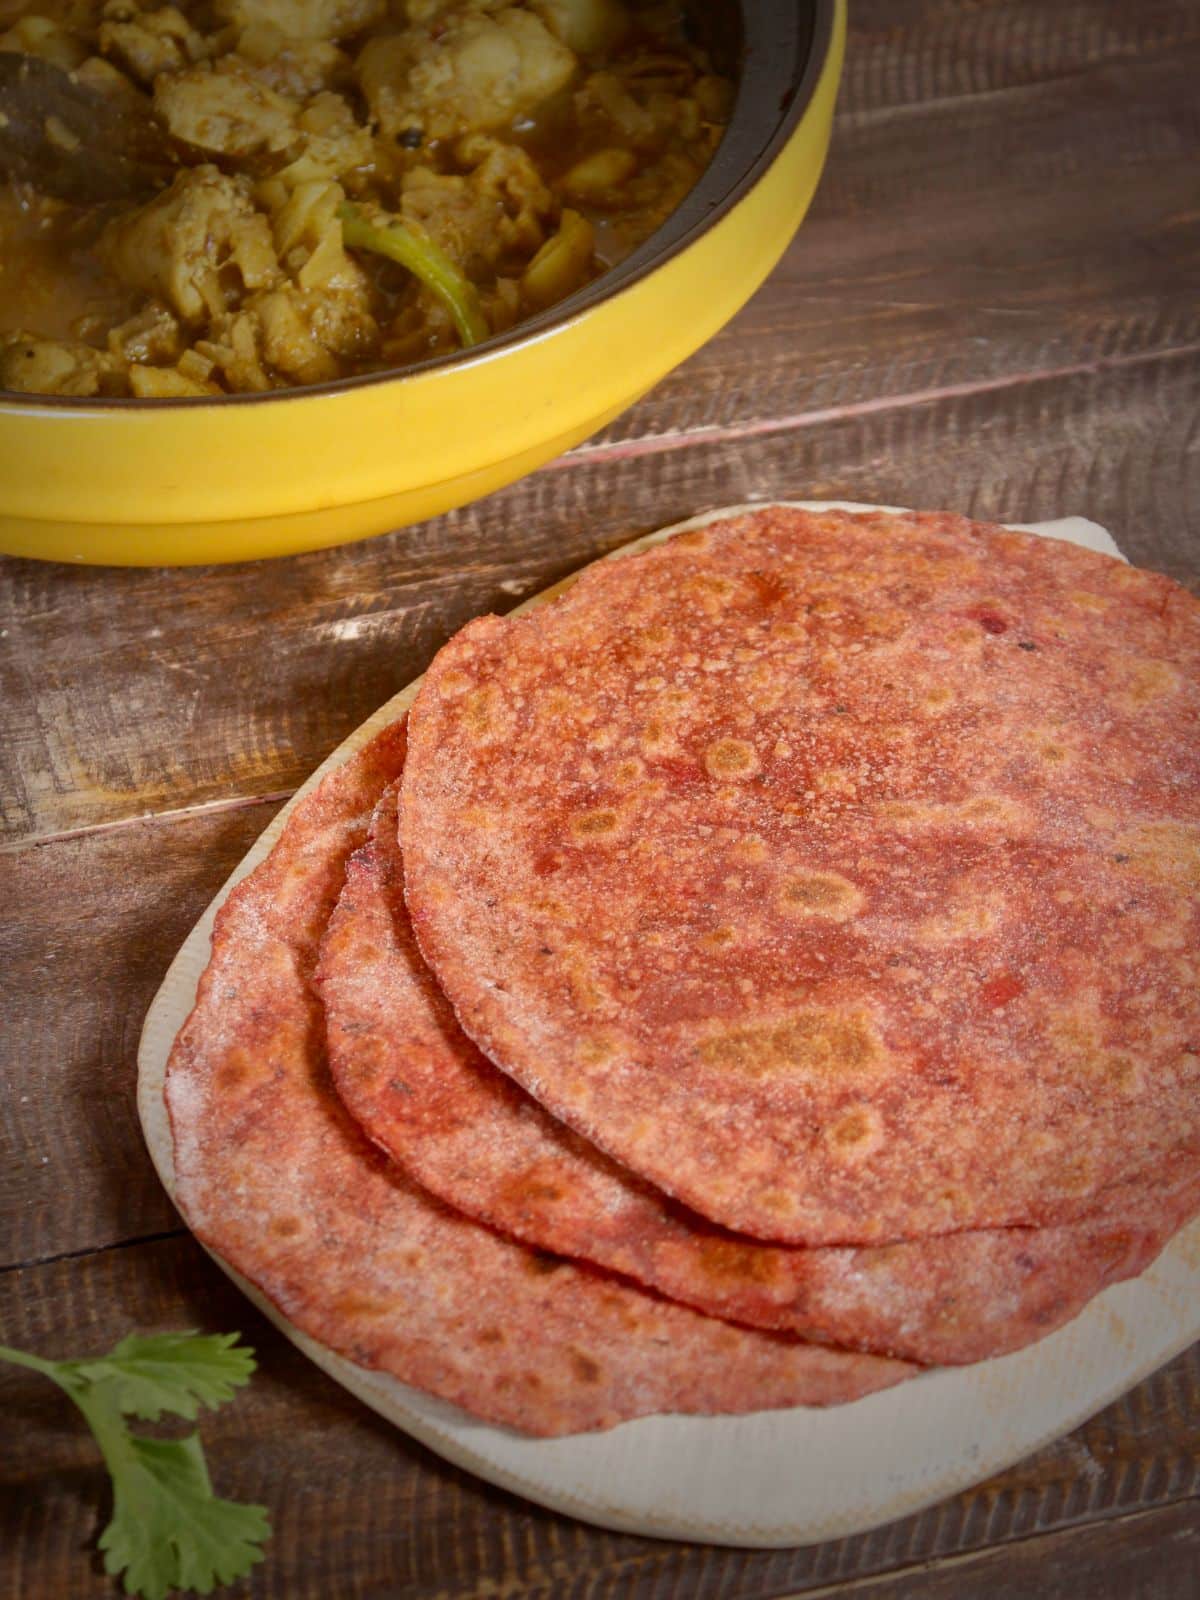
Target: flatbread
836, 873
276, 1178
422, 1091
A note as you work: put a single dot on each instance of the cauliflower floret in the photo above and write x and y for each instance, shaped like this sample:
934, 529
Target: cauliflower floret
31, 365
468, 72
483, 219
229, 111
147, 43
299, 329
292, 335
197, 246
305, 332
333, 143
296, 67
225, 110
306, 19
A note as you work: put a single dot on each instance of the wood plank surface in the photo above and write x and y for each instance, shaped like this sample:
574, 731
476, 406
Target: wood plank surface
102, 915
910, 53
993, 306
360, 1509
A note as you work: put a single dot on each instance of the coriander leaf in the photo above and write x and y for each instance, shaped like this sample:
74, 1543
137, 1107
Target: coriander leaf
168, 1530
175, 1372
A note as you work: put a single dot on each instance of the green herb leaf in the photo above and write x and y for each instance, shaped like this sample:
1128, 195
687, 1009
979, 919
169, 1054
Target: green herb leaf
168, 1529
175, 1372
425, 260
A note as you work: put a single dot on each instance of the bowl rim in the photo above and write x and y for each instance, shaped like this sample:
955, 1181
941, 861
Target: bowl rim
696, 215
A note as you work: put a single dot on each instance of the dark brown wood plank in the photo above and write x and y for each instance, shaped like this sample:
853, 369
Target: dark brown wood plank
100, 920
361, 1510
901, 54
1151, 1555
105, 722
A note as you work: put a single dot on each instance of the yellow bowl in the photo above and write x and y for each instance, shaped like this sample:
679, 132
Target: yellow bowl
151, 483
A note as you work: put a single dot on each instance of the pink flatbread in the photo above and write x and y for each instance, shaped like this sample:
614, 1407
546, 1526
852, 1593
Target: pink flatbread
274, 1175
419, 1087
836, 873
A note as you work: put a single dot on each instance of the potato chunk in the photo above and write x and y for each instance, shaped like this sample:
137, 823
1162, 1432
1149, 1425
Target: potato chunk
587, 26
29, 365
306, 19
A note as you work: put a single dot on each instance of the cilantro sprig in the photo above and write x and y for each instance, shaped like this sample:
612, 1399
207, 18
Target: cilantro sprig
168, 1529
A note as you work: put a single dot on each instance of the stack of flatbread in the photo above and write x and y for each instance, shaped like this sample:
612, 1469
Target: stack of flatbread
763, 971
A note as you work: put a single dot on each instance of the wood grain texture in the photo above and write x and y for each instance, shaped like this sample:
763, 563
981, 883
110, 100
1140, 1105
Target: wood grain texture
927, 50
101, 917
963, 242
1152, 1555
359, 1509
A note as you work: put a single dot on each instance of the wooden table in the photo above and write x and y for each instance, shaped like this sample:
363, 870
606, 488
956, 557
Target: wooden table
995, 307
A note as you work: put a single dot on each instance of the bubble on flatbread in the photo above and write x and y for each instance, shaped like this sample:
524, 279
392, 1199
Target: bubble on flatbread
453, 684
817, 1042
711, 591
855, 1134
750, 848
593, 827
628, 772
595, 1049
585, 1369
821, 894
1145, 680
486, 715
731, 759
732, 1260
1166, 853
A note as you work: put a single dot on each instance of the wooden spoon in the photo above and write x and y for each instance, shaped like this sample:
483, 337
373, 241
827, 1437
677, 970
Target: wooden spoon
71, 141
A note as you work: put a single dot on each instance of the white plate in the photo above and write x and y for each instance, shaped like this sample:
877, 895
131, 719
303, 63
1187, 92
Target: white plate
775, 1478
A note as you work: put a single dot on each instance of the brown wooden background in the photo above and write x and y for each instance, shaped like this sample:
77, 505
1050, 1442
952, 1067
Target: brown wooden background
994, 307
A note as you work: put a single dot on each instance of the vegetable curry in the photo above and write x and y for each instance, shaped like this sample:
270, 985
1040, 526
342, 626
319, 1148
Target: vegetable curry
355, 188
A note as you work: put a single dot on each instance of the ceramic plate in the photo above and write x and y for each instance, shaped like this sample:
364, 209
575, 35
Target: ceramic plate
774, 1478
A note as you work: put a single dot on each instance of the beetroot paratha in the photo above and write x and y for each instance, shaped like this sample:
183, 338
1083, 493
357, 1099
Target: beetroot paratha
418, 1086
837, 873
272, 1174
